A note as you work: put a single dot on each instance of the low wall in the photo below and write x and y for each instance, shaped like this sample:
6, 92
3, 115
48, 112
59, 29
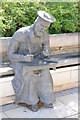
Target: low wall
59, 43
66, 39
4, 43
62, 43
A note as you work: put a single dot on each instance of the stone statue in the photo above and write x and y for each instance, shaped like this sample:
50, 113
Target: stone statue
28, 47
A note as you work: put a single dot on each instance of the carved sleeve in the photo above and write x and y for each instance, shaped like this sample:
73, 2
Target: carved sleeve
46, 48
12, 51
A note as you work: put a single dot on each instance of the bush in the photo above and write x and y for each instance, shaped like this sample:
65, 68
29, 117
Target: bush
15, 15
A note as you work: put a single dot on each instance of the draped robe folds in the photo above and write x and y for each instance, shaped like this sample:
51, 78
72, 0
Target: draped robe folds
34, 85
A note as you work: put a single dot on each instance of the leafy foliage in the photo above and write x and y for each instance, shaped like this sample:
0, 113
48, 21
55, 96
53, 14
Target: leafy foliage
15, 15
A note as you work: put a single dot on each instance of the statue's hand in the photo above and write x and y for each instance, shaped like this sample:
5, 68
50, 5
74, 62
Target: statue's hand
28, 58
46, 53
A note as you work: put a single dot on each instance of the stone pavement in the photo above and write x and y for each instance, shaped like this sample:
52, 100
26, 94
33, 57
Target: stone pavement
65, 106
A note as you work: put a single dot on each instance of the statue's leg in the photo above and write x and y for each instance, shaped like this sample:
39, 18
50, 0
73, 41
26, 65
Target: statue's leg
46, 88
18, 80
25, 87
30, 90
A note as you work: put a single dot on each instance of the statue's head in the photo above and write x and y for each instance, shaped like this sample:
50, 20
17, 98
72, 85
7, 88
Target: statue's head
42, 22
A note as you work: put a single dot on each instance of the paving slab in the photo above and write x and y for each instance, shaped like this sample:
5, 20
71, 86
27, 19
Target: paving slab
8, 107
2, 115
56, 112
73, 116
62, 110
70, 100
57, 94
79, 102
24, 112
66, 92
69, 91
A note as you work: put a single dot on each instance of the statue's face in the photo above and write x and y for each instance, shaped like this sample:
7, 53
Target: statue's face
40, 27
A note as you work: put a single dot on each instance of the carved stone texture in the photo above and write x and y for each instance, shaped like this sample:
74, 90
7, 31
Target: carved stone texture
29, 48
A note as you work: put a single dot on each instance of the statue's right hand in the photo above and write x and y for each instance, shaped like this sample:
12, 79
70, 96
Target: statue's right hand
28, 58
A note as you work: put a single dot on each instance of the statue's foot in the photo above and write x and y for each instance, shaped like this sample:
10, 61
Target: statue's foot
34, 108
50, 105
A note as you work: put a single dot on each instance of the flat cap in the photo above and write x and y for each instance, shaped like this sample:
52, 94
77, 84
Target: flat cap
46, 16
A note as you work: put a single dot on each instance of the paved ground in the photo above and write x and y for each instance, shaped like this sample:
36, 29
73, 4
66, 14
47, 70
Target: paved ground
65, 106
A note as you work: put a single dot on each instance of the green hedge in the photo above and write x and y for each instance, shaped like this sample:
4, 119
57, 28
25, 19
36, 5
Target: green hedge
15, 15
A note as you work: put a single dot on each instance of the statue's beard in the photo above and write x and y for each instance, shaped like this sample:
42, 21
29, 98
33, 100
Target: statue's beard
37, 32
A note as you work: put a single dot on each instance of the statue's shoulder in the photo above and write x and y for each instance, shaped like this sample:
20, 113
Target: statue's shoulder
21, 34
30, 33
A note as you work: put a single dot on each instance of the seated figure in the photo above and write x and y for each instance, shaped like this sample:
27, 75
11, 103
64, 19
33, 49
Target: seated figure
27, 44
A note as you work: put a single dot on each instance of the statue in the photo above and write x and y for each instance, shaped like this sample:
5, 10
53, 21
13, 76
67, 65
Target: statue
29, 48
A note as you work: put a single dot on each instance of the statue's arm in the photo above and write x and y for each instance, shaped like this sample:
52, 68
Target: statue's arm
12, 51
13, 54
46, 48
